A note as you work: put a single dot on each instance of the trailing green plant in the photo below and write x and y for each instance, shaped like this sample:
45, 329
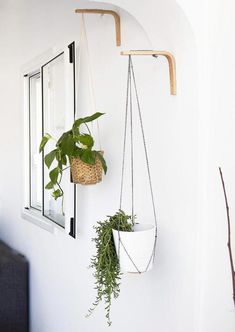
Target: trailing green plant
105, 262
71, 144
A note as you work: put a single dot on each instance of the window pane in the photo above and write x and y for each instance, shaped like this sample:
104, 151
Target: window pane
35, 116
54, 116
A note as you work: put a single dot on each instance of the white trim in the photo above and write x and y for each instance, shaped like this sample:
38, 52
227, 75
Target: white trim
37, 219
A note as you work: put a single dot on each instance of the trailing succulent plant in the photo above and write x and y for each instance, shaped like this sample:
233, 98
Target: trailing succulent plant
105, 262
71, 144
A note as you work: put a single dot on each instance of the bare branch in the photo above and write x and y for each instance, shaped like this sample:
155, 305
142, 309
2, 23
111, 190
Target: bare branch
229, 235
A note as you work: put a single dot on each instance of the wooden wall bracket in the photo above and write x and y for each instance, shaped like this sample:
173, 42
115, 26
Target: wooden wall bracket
171, 63
102, 12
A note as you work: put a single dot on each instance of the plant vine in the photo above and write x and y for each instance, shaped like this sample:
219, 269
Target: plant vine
105, 262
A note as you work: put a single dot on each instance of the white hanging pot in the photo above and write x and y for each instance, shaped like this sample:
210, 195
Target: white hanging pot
135, 249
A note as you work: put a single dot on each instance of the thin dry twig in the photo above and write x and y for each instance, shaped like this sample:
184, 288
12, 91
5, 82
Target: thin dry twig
229, 235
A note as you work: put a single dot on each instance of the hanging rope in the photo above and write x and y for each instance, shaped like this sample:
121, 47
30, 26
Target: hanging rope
130, 79
83, 37
146, 155
132, 151
125, 134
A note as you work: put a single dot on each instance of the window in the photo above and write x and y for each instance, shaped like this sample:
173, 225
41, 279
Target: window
50, 107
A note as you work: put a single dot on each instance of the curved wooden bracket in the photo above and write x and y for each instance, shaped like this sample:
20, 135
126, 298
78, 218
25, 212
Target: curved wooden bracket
171, 63
102, 12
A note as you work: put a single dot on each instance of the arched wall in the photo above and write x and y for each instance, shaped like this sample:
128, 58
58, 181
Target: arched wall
171, 297
212, 26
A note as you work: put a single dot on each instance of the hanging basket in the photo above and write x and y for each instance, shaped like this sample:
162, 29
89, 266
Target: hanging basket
136, 249
84, 173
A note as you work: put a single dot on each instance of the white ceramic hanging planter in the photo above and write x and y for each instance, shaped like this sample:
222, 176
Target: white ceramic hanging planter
136, 249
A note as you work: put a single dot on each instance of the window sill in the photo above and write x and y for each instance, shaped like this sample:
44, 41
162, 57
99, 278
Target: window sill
37, 219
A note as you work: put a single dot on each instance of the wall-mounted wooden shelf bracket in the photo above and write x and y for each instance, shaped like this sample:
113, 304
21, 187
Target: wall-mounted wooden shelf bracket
171, 63
102, 12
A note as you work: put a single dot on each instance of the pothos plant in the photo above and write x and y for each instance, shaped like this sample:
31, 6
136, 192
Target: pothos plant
71, 144
105, 262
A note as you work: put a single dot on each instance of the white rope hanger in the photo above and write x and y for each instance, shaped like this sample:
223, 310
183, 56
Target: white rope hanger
84, 40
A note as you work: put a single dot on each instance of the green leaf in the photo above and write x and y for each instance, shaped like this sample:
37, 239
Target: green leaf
67, 145
63, 160
60, 166
63, 136
76, 132
103, 162
58, 154
90, 118
57, 193
49, 185
49, 158
54, 175
44, 141
87, 140
88, 156
77, 152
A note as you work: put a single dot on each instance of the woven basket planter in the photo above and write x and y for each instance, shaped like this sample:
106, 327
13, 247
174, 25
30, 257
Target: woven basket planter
84, 173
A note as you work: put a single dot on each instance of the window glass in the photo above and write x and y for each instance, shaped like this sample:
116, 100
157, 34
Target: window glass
54, 116
58, 116
35, 133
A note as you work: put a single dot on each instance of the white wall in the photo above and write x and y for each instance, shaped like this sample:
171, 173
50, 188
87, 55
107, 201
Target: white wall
218, 309
178, 294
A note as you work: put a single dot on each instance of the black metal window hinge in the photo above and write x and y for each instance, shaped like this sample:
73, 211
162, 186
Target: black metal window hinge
71, 48
72, 228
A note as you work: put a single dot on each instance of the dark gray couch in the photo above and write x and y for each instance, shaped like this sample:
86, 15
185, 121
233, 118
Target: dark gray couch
13, 291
